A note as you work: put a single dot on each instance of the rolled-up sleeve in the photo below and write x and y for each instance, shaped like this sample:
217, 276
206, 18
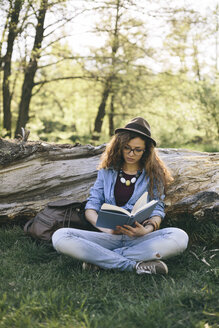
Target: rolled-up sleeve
96, 197
159, 209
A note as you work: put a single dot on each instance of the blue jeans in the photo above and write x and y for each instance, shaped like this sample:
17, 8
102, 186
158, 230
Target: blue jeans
119, 251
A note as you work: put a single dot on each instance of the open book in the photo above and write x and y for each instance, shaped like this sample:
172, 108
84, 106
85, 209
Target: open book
111, 216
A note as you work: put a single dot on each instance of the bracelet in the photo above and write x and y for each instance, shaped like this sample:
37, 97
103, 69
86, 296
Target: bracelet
153, 223
149, 223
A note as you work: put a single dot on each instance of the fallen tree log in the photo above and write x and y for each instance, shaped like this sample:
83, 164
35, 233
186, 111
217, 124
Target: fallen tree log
34, 173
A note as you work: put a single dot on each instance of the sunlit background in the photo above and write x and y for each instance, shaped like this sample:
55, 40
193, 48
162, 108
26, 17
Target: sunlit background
98, 64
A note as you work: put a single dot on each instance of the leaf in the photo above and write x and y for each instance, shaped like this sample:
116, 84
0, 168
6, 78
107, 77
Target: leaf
196, 256
204, 261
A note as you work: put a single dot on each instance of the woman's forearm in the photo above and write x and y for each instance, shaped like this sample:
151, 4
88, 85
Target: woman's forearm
157, 220
91, 216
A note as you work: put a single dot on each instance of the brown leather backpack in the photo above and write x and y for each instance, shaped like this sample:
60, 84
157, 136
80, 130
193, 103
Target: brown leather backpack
58, 214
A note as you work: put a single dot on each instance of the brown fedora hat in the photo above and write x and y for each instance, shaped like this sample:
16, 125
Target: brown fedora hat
138, 125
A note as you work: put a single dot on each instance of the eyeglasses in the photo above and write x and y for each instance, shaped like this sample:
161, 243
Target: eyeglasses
136, 151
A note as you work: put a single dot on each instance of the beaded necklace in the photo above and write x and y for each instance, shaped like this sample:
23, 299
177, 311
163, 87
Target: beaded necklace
129, 182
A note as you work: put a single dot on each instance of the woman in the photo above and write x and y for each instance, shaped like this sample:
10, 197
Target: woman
129, 167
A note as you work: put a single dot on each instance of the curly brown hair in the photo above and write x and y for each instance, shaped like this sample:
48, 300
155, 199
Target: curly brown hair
158, 173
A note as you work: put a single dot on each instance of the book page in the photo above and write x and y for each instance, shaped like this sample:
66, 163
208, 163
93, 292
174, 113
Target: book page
114, 208
148, 205
145, 212
142, 201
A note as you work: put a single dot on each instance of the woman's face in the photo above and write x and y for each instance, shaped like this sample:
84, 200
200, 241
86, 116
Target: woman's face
133, 151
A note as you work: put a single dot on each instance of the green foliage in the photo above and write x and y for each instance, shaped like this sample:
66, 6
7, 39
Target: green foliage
174, 85
41, 288
208, 94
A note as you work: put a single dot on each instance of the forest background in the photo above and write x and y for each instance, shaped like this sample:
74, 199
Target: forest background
74, 70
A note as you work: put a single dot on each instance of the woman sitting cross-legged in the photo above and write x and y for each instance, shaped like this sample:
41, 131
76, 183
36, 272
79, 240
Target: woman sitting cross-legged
129, 167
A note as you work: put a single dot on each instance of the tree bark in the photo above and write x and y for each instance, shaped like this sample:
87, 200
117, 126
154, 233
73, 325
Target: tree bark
14, 18
34, 173
28, 83
111, 116
101, 112
109, 80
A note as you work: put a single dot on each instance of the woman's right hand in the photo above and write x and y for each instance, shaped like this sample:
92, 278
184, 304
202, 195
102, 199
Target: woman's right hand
91, 216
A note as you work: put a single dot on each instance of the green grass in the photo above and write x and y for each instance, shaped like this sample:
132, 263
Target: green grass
40, 288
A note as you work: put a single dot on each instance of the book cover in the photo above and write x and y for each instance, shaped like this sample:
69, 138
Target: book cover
111, 216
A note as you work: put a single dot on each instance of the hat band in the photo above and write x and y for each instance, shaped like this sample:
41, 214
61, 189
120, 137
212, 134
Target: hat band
138, 127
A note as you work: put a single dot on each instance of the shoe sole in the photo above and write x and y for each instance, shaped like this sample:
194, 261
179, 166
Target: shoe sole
164, 264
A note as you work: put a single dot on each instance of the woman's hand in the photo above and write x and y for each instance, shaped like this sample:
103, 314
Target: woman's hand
91, 216
136, 231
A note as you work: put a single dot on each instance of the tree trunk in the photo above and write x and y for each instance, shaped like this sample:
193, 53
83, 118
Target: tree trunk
14, 17
28, 83
109, 81
101, 111
111, 116
34, 173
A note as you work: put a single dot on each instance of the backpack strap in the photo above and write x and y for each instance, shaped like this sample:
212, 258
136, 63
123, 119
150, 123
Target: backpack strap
28, 224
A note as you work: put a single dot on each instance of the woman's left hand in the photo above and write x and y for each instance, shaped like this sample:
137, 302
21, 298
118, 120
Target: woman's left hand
136, 231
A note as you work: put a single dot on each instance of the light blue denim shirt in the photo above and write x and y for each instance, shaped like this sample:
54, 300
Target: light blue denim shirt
103, 192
